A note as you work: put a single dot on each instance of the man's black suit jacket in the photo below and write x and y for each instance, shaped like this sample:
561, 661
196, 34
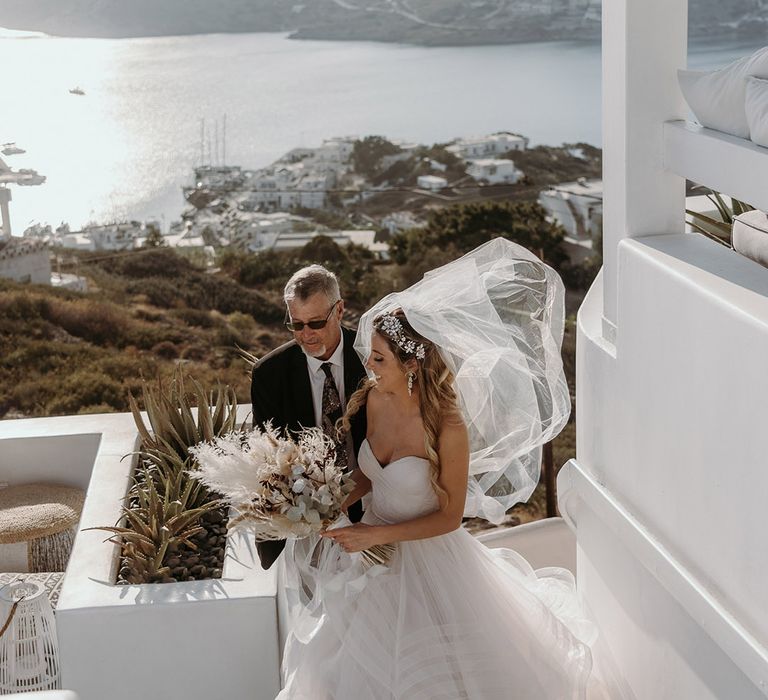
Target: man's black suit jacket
281, 392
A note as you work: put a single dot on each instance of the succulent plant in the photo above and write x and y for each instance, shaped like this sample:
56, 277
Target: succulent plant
164, 506
157, 524
172, 424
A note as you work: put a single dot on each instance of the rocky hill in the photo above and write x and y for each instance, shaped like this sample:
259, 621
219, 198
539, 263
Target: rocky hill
426, 22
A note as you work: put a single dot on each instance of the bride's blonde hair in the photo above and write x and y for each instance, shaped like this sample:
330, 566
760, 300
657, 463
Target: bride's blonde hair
433, 381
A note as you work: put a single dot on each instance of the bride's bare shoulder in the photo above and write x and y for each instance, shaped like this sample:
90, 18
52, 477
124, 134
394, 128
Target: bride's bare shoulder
373, 401
453, 428
453, 420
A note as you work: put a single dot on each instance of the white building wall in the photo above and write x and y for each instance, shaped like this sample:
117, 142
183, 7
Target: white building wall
26, 262
668, 487
580, 216
664, 652
669, 427
557, 207
494, 171
431, 182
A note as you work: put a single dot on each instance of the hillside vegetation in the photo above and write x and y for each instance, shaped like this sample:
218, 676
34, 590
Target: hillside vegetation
65, 352
149, 310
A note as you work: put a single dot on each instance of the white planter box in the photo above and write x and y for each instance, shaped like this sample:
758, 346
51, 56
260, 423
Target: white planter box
194, 640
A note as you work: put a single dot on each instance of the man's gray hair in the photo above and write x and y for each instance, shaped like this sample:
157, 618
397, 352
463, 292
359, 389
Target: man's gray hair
311, 280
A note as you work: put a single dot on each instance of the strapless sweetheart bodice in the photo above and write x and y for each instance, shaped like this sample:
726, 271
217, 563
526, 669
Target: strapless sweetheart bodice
400, 491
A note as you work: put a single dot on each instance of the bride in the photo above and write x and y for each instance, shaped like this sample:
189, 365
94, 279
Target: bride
465, 386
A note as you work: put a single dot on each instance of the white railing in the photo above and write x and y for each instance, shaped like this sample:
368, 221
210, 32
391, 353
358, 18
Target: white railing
728, 164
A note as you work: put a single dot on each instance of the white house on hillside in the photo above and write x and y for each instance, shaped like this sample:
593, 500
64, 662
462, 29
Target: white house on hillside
25, 260
401, 221
494, 171
576, 206
288, 185
365, 238
121, 236
488, 146
431, 182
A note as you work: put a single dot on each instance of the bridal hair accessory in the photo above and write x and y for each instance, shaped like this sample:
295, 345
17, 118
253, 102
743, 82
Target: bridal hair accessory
496, 317
411, 376
390, 325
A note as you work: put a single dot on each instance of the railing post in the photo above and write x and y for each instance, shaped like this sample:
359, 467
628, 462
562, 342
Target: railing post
550, 480
644, 43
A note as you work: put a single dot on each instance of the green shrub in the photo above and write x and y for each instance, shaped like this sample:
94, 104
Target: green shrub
49, 357
22, 306
157, 291
368, 152
99, 323
127, 367
166, 349
580, 276
206, 292
87, 388
154, 262
270, 270
98, 408
467, 226
29, 396
195, 317
194, 353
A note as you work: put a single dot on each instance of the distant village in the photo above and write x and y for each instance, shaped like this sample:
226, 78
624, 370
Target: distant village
277, 207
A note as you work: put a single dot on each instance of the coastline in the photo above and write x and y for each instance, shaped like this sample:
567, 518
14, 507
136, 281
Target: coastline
525, 34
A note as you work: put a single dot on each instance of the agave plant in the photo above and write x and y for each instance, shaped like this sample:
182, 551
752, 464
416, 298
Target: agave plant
164, 506
718, 230
170, 474
157, 524
172, 424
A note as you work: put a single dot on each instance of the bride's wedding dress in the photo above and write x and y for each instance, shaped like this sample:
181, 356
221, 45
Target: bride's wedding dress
447, 619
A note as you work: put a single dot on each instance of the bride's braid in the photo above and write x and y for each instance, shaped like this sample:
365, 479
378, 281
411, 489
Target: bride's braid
355, 403
434, 381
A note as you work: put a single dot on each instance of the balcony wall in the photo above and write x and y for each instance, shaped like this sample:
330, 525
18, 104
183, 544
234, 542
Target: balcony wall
667, 492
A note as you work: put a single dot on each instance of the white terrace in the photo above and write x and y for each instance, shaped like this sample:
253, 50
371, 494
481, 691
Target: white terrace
666, 493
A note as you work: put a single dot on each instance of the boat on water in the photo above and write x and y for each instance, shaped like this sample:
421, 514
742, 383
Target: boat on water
11, 149
77, 91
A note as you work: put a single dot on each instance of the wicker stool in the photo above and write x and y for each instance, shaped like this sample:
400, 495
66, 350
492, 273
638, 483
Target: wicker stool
42, 518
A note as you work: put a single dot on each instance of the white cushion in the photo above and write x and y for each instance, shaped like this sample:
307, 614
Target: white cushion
750, 236
717, 97
756, 106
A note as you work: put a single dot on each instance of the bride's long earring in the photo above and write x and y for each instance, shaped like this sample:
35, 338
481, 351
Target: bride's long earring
411, 377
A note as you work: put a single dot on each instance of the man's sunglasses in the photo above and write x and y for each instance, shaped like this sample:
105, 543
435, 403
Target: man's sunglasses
298, 326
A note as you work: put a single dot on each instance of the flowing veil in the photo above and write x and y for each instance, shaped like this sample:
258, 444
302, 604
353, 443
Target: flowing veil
496, 315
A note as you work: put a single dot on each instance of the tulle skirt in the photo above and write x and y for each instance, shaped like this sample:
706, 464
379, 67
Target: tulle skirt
448, 618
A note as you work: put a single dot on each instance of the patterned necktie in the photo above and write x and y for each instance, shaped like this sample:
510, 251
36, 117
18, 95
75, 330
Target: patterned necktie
331, 409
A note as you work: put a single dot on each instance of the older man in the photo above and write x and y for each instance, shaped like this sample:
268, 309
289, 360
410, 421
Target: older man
308, 380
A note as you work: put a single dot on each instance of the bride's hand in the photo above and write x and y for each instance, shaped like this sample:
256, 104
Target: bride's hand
355, 538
